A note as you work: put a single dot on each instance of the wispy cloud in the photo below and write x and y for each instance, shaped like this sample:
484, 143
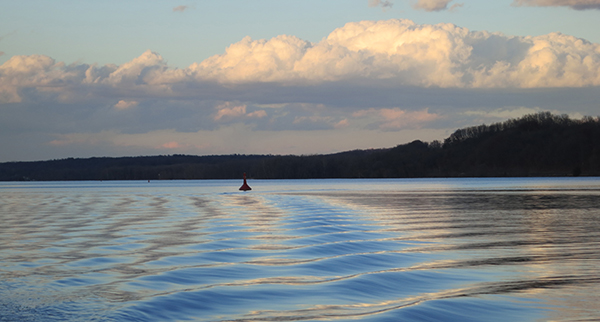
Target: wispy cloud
257, 114
181, 8
393, 119
455, 6
574, 4
432, 5
381, 3
504, 113
171, 145
227, 111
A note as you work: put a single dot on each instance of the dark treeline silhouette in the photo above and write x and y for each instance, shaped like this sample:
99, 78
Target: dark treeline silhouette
540, 144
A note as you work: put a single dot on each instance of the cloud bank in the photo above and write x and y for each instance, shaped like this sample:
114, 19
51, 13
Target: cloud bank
398, 51
396, 78
574, 4
405, 53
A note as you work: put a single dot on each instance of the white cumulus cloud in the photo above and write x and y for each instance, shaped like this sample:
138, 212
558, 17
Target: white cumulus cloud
135, 70
33, 71
123, 104
398, 52
252, 60
441, 55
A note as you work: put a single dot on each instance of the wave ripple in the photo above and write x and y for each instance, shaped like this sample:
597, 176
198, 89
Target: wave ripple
188, 251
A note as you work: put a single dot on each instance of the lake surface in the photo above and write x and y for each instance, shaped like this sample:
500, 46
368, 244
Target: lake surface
301, 250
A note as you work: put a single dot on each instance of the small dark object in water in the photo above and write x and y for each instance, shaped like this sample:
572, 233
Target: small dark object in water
245, 186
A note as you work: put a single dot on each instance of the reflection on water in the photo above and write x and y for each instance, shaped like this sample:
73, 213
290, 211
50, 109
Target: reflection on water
344, 250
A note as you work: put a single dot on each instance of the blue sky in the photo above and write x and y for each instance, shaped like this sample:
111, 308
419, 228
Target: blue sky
112, 78
117, 31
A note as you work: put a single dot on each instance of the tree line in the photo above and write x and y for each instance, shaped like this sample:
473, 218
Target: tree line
541, 144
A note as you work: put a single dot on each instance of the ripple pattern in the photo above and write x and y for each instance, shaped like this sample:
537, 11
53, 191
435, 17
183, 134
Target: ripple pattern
174, 254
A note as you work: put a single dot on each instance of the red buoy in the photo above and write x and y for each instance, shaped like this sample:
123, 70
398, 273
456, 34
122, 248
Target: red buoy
245, 186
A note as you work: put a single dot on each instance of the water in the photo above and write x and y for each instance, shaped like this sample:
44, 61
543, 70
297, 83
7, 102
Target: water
305, 250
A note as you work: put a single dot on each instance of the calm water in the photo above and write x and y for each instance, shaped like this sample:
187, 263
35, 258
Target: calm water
341, 250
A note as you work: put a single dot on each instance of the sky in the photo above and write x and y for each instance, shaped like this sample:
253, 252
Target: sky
128, 78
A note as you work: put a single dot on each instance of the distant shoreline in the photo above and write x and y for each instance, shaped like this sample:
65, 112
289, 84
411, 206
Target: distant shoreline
536, 145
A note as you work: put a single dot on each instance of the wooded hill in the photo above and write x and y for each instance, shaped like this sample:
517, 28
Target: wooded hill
540, 144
